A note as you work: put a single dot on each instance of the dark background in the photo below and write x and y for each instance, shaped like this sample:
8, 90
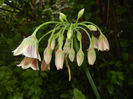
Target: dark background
112, 72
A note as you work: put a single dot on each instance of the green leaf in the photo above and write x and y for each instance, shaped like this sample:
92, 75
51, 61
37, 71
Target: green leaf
78, 94
1, 1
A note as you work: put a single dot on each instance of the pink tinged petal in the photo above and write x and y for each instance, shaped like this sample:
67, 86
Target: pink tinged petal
30, 51
29, 62
59, 59
34, 64
80, 57
47, 55
91, 56
103, 43
19, 49
94, 42
25, 63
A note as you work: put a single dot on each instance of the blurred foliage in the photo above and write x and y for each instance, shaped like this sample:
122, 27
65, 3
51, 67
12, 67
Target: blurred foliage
112, 72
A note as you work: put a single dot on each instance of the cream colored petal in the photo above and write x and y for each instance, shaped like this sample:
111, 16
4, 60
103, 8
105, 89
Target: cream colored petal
19, 49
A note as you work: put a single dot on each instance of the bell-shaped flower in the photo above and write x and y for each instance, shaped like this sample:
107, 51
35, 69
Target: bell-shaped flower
71, 54
29, 63
91, 55
103, 44
44, 66
95, 42
28, 48
47, 54
59, 59
80, 57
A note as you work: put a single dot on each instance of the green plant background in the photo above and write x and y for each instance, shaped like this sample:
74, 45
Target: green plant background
112, 72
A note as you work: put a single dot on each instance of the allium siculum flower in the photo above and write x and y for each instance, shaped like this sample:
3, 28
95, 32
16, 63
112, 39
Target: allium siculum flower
103, 44
47, 54
71, 54
80, 57
44, 66
95, 42
91, 55
28, 48
29, 62
59, 59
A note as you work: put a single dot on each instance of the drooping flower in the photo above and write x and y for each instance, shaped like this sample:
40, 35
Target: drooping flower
29, 63
103, 44
47, 54
71, 54
80, 57
28, 48
44, 66
95, 42
59, 59
91, 55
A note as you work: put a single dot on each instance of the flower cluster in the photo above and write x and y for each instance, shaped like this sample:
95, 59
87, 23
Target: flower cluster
29, 46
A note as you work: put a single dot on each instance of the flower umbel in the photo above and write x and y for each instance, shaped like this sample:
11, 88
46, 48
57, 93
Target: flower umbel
29, 63
28, 48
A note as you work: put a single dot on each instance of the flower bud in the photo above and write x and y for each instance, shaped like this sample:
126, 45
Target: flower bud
69, 33
71, 54
44, 66
95, 42
92, 27
80, 57
59, 59
66, 47
48, 54
53, 44
81, 12
91, 56
62, 17
103, 44
79, 36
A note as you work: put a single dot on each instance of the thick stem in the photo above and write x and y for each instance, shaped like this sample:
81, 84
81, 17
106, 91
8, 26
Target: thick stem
91, 81
83, 23
34, 33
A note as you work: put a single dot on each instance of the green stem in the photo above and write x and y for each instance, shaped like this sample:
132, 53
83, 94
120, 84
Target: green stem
83, 23
85, 32
91, 81
80, 41
45, 35
34, 33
